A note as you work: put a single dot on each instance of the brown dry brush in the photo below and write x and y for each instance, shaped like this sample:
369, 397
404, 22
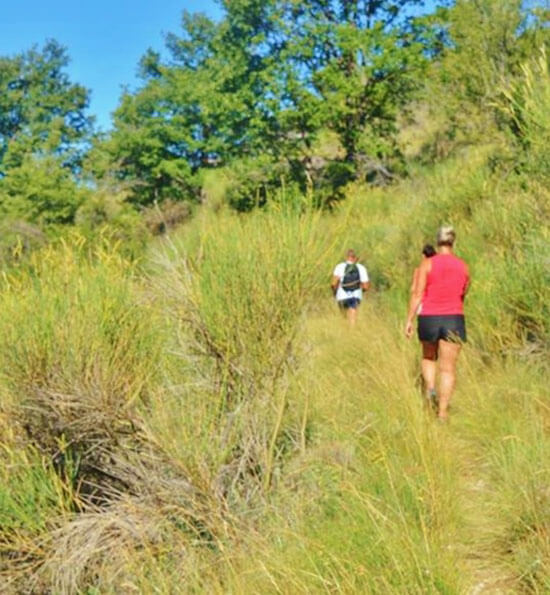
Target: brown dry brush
77, 378
126, 495
250, 371
83, 401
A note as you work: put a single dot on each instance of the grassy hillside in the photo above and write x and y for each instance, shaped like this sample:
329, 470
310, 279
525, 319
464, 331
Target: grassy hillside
204, 421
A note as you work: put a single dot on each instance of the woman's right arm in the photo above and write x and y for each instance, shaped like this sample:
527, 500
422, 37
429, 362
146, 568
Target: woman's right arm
414, 280
417, 294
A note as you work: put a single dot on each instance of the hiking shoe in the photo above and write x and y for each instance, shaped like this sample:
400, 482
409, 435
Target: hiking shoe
433, 400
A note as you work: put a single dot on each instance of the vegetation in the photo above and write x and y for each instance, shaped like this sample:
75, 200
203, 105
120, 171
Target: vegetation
43, 131
188, 412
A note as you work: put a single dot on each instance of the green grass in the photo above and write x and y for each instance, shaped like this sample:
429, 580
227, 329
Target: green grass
204, 421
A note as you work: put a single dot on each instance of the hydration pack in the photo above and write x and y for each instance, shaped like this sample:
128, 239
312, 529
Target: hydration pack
351, 280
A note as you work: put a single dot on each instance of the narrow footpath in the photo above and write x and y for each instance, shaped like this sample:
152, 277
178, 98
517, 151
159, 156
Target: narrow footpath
366, 397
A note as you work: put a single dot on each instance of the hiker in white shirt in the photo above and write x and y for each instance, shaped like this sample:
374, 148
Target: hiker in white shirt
349, 280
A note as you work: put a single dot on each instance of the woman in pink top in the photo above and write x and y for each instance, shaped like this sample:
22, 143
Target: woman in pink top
442, 283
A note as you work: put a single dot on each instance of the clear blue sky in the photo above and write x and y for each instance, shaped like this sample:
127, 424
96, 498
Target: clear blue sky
105, 39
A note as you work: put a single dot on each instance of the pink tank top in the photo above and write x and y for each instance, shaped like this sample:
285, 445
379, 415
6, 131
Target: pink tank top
445, 286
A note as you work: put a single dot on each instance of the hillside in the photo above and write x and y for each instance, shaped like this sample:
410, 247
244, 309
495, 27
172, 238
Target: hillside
202, 420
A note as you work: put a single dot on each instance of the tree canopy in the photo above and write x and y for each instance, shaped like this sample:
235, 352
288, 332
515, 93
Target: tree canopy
44, 133
265, 81
305, 95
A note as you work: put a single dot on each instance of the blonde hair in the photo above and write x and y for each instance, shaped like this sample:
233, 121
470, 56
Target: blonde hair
446, 235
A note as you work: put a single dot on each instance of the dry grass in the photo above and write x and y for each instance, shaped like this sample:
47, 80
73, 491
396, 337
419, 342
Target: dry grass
208, 422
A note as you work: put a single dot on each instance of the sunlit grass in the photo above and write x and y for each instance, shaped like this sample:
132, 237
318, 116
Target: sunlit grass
206, 421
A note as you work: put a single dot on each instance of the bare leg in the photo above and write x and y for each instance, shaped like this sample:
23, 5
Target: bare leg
448, 355
428, 366
352, 316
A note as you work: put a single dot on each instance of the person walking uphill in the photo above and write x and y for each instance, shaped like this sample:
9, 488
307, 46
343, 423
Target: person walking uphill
349, 280
441, 287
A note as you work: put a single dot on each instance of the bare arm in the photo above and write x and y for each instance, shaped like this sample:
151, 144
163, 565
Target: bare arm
467, 284
334, 283
364, 278
416, 294
414, 280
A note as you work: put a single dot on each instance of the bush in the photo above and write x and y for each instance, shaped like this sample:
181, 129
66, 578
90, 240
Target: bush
81, 356
167, 215
19, 239
41, 191
242, 300
252, 181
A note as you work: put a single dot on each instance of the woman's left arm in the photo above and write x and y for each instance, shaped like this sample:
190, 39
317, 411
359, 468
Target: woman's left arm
467, 283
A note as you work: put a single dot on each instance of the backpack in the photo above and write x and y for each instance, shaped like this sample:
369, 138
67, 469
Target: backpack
351, 279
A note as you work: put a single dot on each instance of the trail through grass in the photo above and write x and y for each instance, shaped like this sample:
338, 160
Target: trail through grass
413, 506
209, 415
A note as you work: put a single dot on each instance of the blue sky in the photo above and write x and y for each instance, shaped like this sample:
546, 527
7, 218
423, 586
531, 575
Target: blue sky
105, 39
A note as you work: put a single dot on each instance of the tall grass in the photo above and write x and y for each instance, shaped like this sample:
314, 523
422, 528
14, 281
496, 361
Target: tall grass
238, 302
207, 422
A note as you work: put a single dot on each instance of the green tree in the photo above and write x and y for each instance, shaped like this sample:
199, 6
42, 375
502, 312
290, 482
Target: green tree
264, 82
44, 131
487, 42
360, 59
209, 104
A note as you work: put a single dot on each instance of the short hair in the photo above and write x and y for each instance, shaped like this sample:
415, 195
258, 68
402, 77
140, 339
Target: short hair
446, 235
428, 250
351, 253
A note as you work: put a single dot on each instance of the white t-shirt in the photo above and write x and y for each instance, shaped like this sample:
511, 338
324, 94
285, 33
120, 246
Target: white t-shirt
339, 271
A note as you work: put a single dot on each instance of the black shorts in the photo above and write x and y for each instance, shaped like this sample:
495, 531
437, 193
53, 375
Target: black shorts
349, 303
450, 327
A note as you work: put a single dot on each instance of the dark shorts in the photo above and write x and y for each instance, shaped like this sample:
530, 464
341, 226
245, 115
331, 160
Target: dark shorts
450, 327
349, 303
